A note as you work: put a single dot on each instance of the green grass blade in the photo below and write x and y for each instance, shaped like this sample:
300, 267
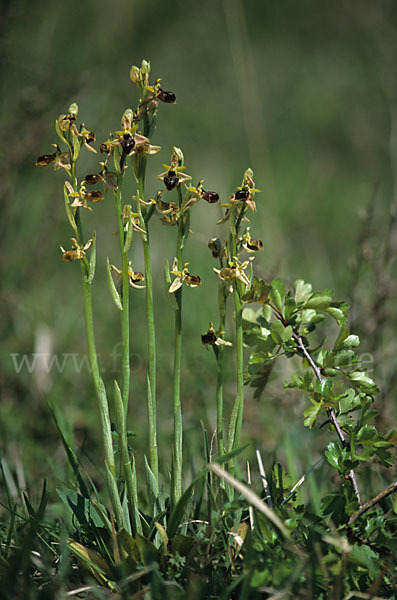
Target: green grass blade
230, 455
178, 512
70, 453
152, 488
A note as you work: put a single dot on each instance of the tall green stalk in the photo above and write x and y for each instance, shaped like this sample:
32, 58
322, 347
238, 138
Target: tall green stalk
238, 407
219, 354
151, 333
102, 403
178, 426
125, 317
239, 401
121, 398
98, 382
139, 168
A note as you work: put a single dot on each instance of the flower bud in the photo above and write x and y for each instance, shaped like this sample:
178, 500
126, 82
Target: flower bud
145, 67
177, 155
135, 74
64, 123
73, 110
126, 119
248, 175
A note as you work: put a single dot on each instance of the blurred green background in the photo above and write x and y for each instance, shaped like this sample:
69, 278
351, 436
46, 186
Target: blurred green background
304, 92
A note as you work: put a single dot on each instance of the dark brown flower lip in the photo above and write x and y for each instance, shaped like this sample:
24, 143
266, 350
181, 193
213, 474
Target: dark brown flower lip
70, 117
93, 178
255, 245
127, 143
166, 96
243, 194
165, 208
215, 245
210, 197
213, 338
69, 255
209, 338
171, 180
192, 279
94, 196
46, 159
137, 276
171, 219
90, 137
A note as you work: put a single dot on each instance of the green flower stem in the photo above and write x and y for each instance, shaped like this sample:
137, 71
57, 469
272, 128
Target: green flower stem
178, 427
219, 400
73, 174
121, 398
177, 490
237, 412
151, 378
238, 307
101, 399
98, 382
125, 317
152, 402
149, 124
219, 378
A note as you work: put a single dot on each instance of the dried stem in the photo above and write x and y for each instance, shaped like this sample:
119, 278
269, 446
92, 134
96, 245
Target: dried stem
375, 500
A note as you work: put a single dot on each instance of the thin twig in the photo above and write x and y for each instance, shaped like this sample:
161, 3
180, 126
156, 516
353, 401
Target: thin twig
250, 509
375, 500
331, 413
